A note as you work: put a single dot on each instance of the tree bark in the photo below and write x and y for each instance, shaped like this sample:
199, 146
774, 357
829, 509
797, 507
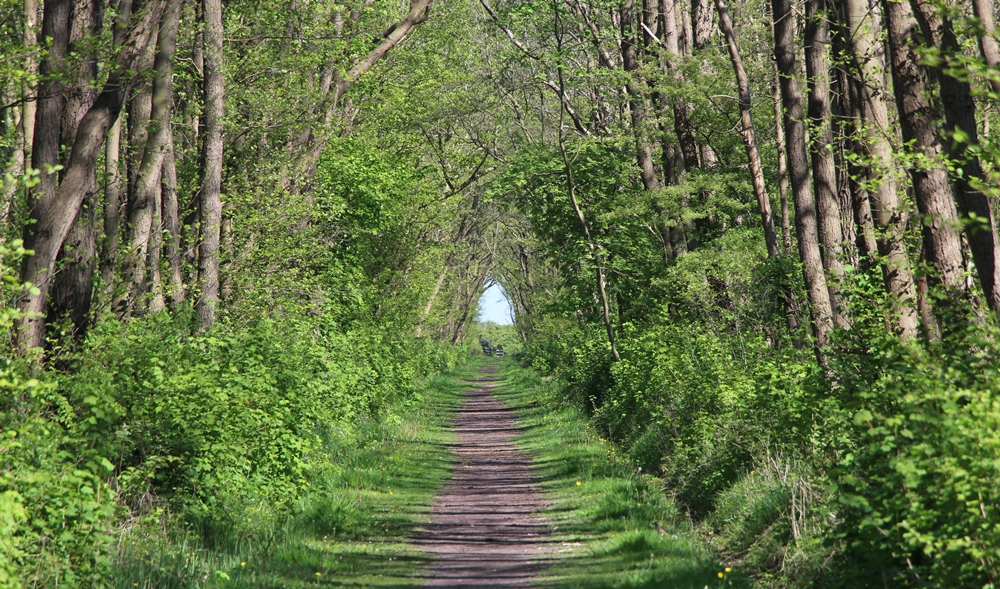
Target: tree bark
779, 132
675, 240
154, 283
824, 181
48, 119
983, 10
701, 23
820, 309
112, 208
72, 288
847, 112
913, 85
211, 171
888, 212
682, 125
172, 227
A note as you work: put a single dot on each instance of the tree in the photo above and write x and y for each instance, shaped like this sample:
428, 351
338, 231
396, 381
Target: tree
56, 210
820, 308
913, 86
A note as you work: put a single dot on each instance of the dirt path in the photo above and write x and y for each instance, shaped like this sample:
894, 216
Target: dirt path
483, 532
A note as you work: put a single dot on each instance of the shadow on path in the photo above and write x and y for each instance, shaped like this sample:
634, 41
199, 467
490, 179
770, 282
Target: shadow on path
483, 531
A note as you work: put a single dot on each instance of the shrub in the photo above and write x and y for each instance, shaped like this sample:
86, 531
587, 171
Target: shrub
918, 497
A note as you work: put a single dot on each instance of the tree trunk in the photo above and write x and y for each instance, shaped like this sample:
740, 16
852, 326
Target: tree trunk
675, 240
72, 288
983, 9
154, 283
961, 137
147, 184
602, 292
227, 254
211, 170
701, 23
434, 293
918, 117
820, 309
817, 41
747, 130
25, 119
779, 132
48, 119
112, 208
887, 210
172, 227
637, 102
847, 112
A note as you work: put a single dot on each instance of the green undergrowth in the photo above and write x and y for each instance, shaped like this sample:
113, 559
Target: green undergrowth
613, 525
349, 529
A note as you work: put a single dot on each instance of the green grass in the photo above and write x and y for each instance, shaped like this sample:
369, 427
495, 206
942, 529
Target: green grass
614, 526
350, 531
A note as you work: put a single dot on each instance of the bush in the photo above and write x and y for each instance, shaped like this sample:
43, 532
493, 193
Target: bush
918, 497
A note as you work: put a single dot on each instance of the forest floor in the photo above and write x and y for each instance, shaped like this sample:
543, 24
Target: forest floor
487, 479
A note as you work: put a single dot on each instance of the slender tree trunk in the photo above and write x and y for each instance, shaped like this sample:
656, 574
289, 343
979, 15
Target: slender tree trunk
913, 85
227, 254
779, 126
112, 207
747, 130
928, 322
154, 282
817, 41
29, 107
602, 292
682, 125
211, 172
847, 112
434, 294
147, 184
887, 210
820, 309
25, 119
637, 102
675, 240
172, 227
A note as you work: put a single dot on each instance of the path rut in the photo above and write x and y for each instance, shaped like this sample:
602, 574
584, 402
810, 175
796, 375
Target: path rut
483, 530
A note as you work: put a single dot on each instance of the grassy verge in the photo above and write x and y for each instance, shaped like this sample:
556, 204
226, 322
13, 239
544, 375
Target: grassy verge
614, 526
349, 531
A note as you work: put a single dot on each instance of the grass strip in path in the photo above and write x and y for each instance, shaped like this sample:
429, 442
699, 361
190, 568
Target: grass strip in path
614, 526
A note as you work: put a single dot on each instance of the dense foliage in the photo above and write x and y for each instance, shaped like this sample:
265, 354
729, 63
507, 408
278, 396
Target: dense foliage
756, 244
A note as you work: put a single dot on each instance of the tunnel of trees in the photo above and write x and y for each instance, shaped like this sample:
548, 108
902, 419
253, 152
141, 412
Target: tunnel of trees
755, 242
